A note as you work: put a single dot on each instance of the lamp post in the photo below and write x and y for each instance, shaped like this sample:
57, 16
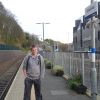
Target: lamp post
43, 28
43, 31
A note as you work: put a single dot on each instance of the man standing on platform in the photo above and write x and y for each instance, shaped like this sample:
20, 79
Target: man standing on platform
34, 70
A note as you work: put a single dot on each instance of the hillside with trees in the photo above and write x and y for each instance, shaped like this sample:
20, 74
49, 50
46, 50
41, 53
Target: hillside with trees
12, 34
10, 31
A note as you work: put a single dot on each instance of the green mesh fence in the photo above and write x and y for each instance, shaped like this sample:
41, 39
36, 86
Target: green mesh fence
8, 47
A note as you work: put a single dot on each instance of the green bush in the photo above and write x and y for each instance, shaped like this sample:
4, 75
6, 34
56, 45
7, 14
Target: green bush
78, 78
45, 60
58, 70
75, 81
73, 84
48, 63
76, 84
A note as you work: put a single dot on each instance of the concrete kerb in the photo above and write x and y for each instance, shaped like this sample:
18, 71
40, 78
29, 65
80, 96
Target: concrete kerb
88, 92
6, 97
65, 77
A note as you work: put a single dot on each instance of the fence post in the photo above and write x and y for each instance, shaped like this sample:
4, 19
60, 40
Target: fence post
70, 65
83, 68
62, 60
52, 59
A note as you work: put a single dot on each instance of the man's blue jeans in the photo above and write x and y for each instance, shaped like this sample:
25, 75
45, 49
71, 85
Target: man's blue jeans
28, 86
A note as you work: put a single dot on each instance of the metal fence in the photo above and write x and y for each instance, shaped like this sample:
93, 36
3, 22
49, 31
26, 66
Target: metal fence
8, 47
74, 63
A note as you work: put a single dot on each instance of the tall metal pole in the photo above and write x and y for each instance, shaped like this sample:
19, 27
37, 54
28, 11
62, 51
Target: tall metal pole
43, 34
43, 31
92, 1
93, 72
43, 28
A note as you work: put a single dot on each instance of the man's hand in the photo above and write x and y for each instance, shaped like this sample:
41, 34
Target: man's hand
24, 71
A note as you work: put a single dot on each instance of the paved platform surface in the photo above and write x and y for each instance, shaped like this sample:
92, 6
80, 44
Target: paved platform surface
53, 88
56, 88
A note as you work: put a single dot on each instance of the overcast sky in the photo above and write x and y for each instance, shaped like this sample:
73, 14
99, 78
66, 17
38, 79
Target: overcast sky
61, 14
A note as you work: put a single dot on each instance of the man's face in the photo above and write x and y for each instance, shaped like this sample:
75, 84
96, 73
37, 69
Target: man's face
34, 50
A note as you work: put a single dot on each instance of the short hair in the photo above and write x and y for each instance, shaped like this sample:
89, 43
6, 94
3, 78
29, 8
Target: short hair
33, 46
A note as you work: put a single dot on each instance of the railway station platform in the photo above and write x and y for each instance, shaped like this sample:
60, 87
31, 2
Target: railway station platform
16, 90
53, 88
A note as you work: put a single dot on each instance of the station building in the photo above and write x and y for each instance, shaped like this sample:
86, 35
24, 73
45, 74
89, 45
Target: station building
82, 34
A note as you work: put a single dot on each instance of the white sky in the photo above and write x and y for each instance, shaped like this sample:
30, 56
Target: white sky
61, 14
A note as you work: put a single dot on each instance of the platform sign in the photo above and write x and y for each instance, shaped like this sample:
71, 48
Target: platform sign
91, 10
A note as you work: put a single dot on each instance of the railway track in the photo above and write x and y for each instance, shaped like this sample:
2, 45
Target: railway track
7, 77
